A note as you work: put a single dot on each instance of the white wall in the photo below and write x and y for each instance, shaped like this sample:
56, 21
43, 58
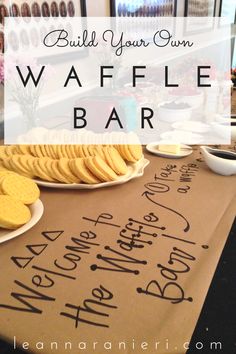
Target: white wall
98, 8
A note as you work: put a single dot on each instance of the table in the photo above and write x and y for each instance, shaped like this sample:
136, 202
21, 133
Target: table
193, 238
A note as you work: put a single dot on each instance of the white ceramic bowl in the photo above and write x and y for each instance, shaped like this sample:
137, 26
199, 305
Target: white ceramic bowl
194, 101
217, 164
170, 115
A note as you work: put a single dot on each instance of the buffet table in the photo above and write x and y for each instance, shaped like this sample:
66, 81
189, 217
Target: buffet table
125, 268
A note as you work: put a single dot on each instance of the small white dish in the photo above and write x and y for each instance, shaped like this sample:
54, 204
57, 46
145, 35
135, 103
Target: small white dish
135, 170
185, 150
192, 126
36, 214
215, 160
181, 137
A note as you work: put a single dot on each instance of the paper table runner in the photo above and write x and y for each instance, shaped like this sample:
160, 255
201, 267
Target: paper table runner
123, 269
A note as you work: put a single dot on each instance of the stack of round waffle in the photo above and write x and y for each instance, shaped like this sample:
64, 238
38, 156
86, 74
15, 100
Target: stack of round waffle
70, 163
16, 193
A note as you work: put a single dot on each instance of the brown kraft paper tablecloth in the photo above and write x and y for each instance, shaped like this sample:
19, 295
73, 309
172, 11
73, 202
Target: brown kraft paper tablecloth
131, 263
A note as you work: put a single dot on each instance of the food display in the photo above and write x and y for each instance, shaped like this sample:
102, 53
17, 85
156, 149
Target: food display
70, 164
17, 193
